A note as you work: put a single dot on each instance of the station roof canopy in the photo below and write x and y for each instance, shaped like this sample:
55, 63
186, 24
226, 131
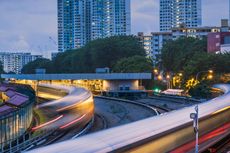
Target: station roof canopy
83, 76
4, 110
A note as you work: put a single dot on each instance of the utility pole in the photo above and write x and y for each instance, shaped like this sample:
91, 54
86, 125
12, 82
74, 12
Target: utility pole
195, 117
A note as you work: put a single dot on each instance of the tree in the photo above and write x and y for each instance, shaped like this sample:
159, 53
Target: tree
98, 53
219, 63
133, 64
201, 90
38, 63
106, 52
176, 53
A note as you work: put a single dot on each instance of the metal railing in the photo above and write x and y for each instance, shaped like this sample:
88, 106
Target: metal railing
25, 142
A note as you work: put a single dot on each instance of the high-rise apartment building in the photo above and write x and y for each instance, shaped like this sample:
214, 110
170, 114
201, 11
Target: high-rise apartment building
153, 43
71, 24
80, 21
177, 13
109, 18
14, 62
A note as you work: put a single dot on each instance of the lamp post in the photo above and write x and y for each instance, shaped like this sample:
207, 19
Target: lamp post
195, 117
168, 81
197, 75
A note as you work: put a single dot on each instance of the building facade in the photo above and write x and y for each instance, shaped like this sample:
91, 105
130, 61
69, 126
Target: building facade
14, 62
218, 42
80, 21
177, 13
196, 32
153, 43
16, 113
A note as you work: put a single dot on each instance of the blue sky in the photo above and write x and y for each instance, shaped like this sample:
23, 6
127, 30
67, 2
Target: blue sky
26, 25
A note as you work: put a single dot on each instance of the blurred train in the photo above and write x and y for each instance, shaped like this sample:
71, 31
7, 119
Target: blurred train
164, 133
65, 107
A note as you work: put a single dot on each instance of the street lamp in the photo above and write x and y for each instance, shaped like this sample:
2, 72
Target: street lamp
159, 77
155, 71
197, 75
210, 77
168, 81
195, 117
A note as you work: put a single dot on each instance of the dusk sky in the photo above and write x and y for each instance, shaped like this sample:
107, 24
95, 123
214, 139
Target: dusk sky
26, 25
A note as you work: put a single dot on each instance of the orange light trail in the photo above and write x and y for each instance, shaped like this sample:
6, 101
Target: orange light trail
47, 123
72, 122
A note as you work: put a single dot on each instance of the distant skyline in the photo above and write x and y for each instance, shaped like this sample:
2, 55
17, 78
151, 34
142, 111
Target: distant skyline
26, 25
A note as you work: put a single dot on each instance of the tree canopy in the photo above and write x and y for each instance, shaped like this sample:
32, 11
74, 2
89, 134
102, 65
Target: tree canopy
201, 90
98, 53
133, 64
38, 63
220, 63
176, 53
189, 55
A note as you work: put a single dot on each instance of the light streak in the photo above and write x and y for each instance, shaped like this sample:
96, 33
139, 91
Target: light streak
221, 110
189, 146
47, 123
72, 122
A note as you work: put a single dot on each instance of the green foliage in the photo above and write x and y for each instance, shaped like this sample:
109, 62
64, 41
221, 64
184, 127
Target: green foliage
201, 90
220, 63
133, 64
98, 53
38, 63
189, 55
176, 53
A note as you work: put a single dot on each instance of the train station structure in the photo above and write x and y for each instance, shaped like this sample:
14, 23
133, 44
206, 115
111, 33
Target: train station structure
92, 81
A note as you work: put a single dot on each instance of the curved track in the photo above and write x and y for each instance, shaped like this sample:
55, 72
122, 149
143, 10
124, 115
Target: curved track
163, 133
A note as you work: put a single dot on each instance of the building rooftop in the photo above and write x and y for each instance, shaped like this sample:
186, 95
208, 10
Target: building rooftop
3, 89
18, 100
15, 101
5, 110
205, 27
10, 93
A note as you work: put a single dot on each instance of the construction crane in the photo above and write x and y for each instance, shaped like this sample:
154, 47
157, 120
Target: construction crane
53, 41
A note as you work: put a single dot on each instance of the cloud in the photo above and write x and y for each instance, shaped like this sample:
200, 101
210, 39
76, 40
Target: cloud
27, 24
21, 42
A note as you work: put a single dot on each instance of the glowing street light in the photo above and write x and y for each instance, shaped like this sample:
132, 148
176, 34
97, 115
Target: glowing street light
155, 71
210, 77
168, 76
159, 77
210, 71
